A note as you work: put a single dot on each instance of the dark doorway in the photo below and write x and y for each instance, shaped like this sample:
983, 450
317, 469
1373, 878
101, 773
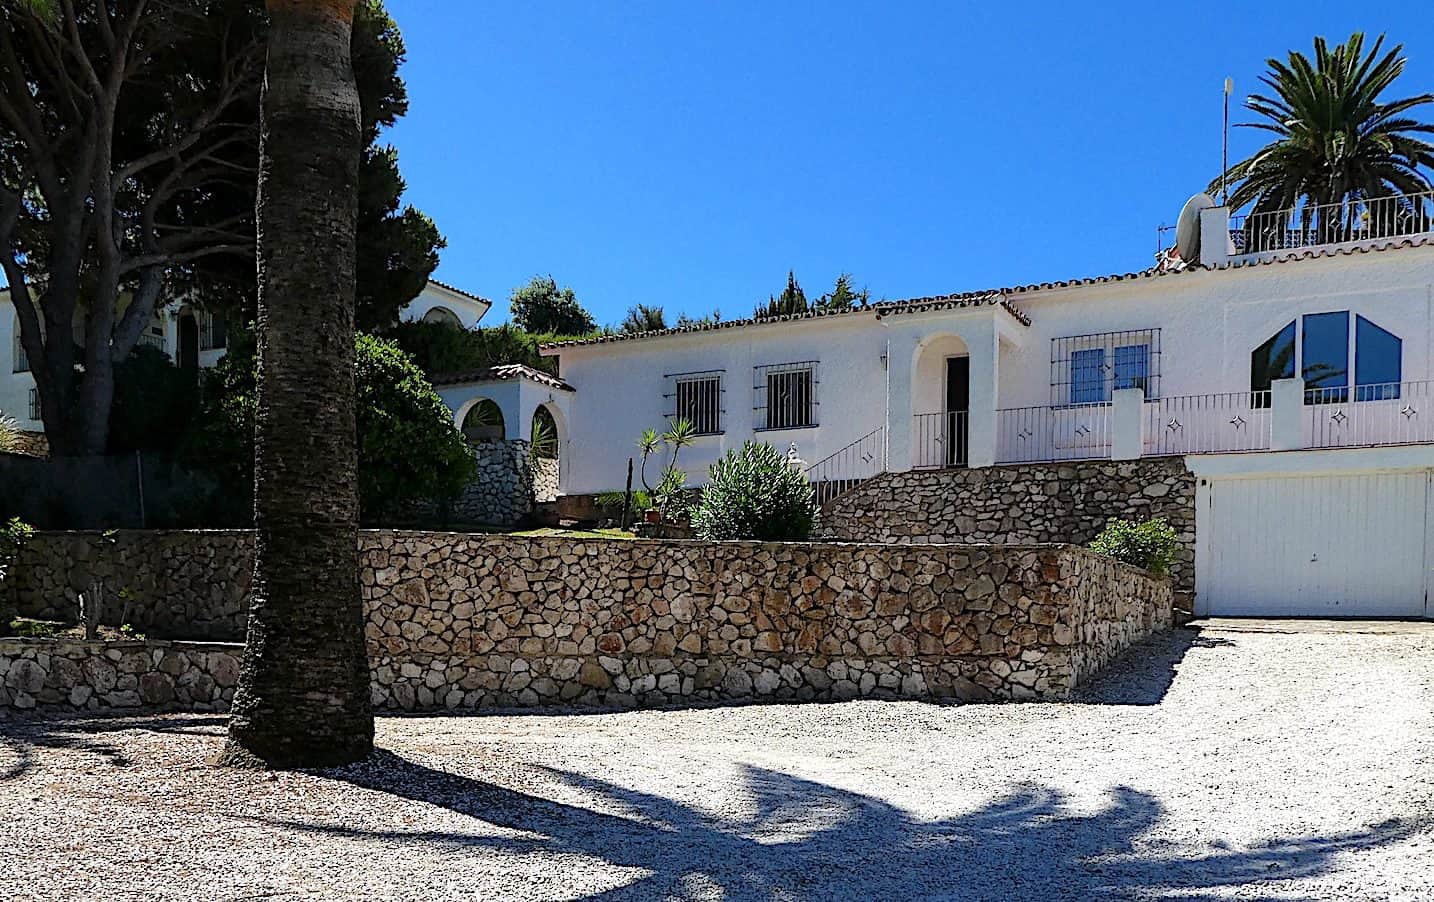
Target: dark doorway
188, 342
958, 404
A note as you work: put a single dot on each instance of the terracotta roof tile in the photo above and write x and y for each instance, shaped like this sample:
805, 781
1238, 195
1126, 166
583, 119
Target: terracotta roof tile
503, 373
1003, 296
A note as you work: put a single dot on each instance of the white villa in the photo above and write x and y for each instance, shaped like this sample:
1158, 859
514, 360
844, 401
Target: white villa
1289, 366
194, 338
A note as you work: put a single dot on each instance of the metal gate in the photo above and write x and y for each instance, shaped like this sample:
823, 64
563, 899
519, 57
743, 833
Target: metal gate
1316, 545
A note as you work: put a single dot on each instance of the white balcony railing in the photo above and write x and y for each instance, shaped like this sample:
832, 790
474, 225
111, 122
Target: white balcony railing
1203, 424
1392, 413
940, 439
1072, 432
1315, 224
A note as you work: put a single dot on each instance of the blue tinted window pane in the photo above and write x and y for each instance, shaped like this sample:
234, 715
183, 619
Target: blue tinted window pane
1378, 362
1275, 359
1326, 356
1088, 376
1132, 366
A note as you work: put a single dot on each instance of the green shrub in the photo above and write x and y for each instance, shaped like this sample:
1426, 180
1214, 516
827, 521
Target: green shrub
13, 533
408, 446
1150, 544
754, 494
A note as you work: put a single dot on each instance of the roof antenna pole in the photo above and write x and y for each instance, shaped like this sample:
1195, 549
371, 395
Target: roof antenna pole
1225, 145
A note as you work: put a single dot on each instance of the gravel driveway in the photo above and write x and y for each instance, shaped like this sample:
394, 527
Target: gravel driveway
1242, 760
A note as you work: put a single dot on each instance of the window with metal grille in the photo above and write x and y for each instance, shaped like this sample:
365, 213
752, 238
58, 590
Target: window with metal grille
698, 397
786, 396
699, 400
34, 403
213, 332
1085, 369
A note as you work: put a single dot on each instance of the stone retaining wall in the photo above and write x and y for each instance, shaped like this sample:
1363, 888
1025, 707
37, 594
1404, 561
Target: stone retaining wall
188, 676
180, 584
506, 483
1021, 503
479, 621
470, 621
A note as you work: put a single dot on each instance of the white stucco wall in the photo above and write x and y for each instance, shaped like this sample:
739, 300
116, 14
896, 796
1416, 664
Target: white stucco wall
620, 388
469, 311
1210, 321
14, 387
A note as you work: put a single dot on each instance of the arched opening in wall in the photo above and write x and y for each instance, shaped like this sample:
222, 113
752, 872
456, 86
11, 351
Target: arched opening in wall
941, 402
544, 452
188, 351
483, 422
443, 316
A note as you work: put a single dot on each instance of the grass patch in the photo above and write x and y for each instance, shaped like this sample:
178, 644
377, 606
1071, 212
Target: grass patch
578, 533
25, 628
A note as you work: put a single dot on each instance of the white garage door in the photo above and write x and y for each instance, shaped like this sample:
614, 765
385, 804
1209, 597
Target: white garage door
1316, 546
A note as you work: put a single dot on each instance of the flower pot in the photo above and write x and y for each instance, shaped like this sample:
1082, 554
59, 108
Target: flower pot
653, 516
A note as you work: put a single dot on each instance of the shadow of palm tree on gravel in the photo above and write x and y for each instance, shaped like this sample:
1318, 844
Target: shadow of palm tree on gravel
21, 734
803, 840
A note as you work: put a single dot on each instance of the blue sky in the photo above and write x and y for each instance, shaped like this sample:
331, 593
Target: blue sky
687, 154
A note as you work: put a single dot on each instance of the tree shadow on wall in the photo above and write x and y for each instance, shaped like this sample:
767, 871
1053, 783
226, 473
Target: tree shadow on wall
801, 840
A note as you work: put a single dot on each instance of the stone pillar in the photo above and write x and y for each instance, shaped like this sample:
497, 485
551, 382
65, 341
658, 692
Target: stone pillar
1287, 414
1127, 424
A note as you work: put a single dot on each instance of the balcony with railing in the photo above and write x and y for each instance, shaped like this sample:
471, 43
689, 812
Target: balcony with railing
1311, 225
1209, 423
1289, 417
1393, 413
940, 439
1061, 432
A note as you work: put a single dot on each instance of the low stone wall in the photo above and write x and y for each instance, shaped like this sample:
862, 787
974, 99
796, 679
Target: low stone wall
472, 621
178, 584
1021, 503
481, 621
188, 676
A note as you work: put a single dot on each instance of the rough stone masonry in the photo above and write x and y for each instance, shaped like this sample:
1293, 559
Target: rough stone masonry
1022, 503
473, 621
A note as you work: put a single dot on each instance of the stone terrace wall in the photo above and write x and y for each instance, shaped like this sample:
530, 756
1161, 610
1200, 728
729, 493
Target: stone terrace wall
189, 676
502, 490
1021, 503
466, 621
183, 584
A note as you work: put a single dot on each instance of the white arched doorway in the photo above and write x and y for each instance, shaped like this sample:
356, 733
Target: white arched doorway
941, 402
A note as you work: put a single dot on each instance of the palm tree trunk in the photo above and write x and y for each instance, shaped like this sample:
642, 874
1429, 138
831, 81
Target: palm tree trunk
303, 694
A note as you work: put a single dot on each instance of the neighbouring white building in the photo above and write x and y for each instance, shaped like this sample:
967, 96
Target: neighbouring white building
1290, 366
196, 339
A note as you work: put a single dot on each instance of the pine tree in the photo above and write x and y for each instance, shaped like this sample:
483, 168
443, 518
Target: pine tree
791, 302
842, 297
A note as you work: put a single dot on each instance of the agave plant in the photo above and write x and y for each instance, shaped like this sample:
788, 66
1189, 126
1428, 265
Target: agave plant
1337, 141
9, 433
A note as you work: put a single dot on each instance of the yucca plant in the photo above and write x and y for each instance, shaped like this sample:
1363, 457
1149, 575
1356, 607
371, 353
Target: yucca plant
9, 434
1337, 141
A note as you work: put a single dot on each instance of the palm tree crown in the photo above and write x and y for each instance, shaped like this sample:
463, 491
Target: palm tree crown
1336, 141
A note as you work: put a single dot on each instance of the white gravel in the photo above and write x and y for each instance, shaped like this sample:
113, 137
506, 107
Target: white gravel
1282, 761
